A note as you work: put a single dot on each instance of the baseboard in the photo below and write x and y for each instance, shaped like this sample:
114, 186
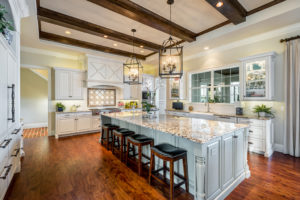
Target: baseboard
278, 147
36, 125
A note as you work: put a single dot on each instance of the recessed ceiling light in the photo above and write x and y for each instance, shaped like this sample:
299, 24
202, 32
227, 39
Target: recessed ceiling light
105, 36
206, 48
115, 44
142, 46
142, 51
67, 32
219, 4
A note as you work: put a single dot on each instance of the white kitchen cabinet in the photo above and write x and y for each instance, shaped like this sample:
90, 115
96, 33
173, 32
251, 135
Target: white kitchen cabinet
261, 136
3, 90
258, 77
68, 84
239, 143
132, 92
76, 123
228, 160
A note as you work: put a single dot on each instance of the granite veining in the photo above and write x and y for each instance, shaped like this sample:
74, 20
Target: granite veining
197, 130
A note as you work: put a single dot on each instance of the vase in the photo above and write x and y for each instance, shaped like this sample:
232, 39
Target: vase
261, 114
8, 36
59, 109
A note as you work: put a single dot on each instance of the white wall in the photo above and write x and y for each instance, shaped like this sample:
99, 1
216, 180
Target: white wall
34, 99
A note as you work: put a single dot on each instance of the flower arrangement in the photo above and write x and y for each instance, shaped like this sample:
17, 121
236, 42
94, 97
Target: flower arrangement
262, 110
4, 23
60, 107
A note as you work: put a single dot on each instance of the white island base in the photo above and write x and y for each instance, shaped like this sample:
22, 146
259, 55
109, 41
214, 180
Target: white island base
215, 168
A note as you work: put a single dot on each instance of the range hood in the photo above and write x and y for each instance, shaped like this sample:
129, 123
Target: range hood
104, 72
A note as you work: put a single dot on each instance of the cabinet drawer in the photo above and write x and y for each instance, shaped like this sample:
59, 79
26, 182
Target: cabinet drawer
256, 132
84, 115
256, 122
256, 145
66, 116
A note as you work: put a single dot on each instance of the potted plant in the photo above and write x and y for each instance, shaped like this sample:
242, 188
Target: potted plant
60, 107
5, 25
263, 110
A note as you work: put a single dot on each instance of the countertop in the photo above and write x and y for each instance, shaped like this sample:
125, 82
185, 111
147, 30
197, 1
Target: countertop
80, 111
197, 130
223, 115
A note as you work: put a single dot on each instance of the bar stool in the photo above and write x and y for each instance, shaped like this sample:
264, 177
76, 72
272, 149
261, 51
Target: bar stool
170, 153
119, 136
139, 141
107, 129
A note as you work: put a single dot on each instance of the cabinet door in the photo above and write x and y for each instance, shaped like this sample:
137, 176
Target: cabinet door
96, 123
76, 87
62, 85
136, 92
83, 124
126, 91
213, 170
239, 152
227, 160
66, 125
12, 79
3, 92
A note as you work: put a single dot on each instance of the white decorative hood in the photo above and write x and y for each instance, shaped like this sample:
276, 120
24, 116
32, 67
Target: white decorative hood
104, 72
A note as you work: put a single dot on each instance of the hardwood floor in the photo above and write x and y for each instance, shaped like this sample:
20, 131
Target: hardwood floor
35, 132
80, 168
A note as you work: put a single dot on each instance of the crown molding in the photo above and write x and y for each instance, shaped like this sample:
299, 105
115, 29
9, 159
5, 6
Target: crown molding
48, 53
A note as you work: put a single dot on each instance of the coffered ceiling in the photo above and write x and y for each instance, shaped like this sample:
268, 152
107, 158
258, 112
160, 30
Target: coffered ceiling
105, 25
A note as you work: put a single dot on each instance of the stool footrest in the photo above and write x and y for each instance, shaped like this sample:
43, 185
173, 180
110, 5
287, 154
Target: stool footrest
175, 173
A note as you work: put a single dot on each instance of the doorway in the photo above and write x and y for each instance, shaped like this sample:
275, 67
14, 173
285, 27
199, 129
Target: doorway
34, 89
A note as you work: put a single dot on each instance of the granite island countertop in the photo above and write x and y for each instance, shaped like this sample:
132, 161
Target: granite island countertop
197, 130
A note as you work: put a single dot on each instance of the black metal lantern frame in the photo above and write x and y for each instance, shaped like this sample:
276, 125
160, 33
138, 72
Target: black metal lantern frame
132, 68
171, 60
132, 71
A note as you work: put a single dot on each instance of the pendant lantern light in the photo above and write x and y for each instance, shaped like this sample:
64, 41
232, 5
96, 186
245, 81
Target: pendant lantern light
132, 68
171, 55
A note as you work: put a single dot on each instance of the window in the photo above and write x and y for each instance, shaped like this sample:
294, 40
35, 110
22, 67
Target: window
224, 83
200, 90
101, 97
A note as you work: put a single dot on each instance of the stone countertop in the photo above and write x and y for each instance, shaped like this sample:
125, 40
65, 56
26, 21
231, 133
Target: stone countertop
197, 130
80, 111
223, 115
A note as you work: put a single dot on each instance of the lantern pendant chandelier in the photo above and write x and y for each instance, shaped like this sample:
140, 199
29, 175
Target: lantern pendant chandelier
171, 55
132, 68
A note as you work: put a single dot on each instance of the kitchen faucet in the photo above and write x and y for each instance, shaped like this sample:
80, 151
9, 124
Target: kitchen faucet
207, 107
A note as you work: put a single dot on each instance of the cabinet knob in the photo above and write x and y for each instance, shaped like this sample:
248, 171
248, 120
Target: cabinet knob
250, 131
236, 136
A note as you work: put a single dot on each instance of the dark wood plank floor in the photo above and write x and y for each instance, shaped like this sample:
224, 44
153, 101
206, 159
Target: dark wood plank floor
78, 168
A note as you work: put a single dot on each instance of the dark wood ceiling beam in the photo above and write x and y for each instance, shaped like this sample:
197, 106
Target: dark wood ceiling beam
73, 42
60, 19
231, 9
138, 13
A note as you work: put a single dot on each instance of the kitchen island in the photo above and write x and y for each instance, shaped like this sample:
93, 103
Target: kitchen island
216, 151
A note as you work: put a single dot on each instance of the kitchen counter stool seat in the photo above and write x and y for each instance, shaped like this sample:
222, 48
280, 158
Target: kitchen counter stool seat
119, 141
106, 134
169, 153
138, 141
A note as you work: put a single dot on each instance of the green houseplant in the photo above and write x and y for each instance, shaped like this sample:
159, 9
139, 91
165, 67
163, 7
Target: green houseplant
4, 23
262, 110
147, 106
60, 107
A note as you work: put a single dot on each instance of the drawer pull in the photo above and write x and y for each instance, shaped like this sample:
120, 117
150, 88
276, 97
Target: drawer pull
250, 131
236, 136
8, 168
6, 143
250, 143
17, 152
16, 131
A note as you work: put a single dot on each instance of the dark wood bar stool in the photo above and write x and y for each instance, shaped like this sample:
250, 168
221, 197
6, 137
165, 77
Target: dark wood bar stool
170, 153
138, 141
106, 134
119, 142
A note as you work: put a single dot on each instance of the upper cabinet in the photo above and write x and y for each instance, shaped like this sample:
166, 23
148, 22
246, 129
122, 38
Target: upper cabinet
148, 83
132, 92
258, 77
68, 84
177, 88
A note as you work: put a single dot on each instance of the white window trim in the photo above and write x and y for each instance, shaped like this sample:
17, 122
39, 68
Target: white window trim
190, 73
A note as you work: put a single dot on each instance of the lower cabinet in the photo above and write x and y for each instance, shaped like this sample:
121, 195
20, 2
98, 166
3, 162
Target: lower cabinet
78, 122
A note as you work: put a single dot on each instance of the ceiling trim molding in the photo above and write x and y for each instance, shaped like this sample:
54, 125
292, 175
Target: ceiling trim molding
260, 37
231, 9
47, 53
60, 19
140, 14
74, 42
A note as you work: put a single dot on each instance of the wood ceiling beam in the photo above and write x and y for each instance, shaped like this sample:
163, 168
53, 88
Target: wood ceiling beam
231, 9
138, 13
60, 19
73, 42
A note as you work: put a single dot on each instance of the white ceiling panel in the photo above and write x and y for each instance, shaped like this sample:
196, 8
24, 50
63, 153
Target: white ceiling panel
59, 30
252, 4
93, 13
195, 15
